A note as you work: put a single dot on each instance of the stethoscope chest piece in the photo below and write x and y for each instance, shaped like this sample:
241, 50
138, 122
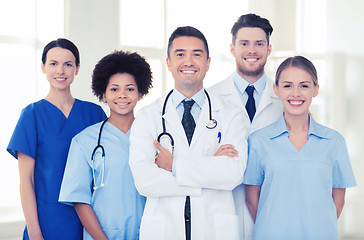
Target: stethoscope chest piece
212, 123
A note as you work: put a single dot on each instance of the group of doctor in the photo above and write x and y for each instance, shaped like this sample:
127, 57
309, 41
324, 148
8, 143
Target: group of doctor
242, 160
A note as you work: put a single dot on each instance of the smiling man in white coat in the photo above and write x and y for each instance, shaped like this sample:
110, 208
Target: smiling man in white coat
250, 90
188, 151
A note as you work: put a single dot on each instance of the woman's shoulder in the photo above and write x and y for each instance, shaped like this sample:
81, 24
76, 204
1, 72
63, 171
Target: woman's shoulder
267, 131
90, 109
37, 104
87, 104
327, 132
89, 132
32, 108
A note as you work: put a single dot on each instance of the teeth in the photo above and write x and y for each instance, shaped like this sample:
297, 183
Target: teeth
296, 102
60, 79
188, 71
122, 104
251, 59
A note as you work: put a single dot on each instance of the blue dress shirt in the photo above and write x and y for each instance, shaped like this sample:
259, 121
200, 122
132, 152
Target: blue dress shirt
199, 99
241, 84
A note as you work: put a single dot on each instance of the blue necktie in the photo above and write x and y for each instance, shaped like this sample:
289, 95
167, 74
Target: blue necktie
189, 126
250, 104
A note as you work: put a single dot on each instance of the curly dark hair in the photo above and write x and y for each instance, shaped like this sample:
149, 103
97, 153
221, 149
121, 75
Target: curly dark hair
121, 62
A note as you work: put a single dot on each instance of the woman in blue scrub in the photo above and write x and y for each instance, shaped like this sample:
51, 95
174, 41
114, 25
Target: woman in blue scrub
103, 192
41, 141
297, 169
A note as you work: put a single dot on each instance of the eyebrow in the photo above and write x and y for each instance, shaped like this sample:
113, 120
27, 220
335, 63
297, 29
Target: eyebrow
51, 60
194, 50
299, 82
246, 40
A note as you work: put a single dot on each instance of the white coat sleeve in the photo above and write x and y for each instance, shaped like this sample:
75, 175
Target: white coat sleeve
150, 180
225, 173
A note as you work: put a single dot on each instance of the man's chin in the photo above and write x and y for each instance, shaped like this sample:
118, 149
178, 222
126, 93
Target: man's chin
253, 73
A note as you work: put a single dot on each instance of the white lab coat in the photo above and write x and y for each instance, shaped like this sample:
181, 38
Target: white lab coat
207, 179
268, 111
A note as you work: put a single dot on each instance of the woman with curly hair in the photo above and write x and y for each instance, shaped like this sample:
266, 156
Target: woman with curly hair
97, 180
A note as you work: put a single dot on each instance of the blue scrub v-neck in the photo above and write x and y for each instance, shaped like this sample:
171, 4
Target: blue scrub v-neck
44, 133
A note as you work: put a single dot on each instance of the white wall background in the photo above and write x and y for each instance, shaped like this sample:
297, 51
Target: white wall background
330, 32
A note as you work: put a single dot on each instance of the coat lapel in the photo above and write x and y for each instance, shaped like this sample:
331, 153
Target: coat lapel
204, 117
173, 122
232, 96
174, 125
267, 97
201, 122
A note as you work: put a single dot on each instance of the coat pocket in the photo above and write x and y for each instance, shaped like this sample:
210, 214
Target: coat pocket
211, 142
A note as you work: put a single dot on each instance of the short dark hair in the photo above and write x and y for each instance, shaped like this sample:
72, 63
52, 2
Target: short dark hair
62, 43
298, 62
121, 62
187, 31
253, 21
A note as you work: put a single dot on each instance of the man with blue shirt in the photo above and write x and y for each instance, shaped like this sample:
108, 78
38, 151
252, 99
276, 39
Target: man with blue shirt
250, 90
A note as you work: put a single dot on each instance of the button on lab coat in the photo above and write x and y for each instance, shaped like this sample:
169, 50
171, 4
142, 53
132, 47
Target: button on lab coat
268, 111
207, 179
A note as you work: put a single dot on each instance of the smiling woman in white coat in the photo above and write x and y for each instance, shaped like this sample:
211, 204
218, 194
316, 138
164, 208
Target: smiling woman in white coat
200, 172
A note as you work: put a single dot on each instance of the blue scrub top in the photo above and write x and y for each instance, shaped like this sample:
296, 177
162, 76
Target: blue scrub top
117, 205
296, 186
44, 133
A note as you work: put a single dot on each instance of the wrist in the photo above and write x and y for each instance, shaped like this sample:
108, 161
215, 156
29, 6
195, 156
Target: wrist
35, 236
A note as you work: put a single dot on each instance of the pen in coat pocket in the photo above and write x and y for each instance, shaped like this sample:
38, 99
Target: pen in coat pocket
219, 137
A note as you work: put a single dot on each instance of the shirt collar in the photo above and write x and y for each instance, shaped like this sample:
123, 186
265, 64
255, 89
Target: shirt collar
317, 129
314, 129
178, 97
241, 83
279, 128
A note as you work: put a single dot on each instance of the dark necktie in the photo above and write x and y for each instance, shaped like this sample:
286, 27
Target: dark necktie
250, 104
187, 120
189, 125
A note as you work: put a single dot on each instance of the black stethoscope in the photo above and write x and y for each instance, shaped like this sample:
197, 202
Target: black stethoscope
210, 125
99, 146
